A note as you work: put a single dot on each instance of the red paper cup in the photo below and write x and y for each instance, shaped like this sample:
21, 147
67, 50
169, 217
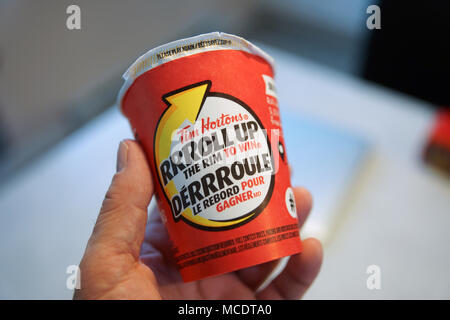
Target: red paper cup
206, 113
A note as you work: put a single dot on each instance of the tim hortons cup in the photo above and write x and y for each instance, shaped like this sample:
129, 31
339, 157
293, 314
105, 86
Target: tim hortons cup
205, 110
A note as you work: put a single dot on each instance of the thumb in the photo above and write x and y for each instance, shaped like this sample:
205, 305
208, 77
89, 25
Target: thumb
121, 223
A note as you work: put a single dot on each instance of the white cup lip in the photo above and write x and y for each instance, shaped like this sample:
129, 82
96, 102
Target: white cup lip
174, 50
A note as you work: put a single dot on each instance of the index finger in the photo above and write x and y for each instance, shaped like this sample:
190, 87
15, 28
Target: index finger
303, 202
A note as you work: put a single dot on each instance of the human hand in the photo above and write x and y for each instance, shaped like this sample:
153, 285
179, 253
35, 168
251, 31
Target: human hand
126, 258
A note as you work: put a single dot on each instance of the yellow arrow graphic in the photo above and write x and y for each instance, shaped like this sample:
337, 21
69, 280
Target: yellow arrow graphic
184, 103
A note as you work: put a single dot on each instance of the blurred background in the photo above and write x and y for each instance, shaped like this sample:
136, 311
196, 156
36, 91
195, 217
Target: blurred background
366, 101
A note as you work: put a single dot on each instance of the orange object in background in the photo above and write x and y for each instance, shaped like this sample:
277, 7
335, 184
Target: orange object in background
437, 150
206, 113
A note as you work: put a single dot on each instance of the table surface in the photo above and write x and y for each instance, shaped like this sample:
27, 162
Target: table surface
396, 216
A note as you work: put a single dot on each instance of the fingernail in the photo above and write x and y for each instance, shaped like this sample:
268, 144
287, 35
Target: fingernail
122, 156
